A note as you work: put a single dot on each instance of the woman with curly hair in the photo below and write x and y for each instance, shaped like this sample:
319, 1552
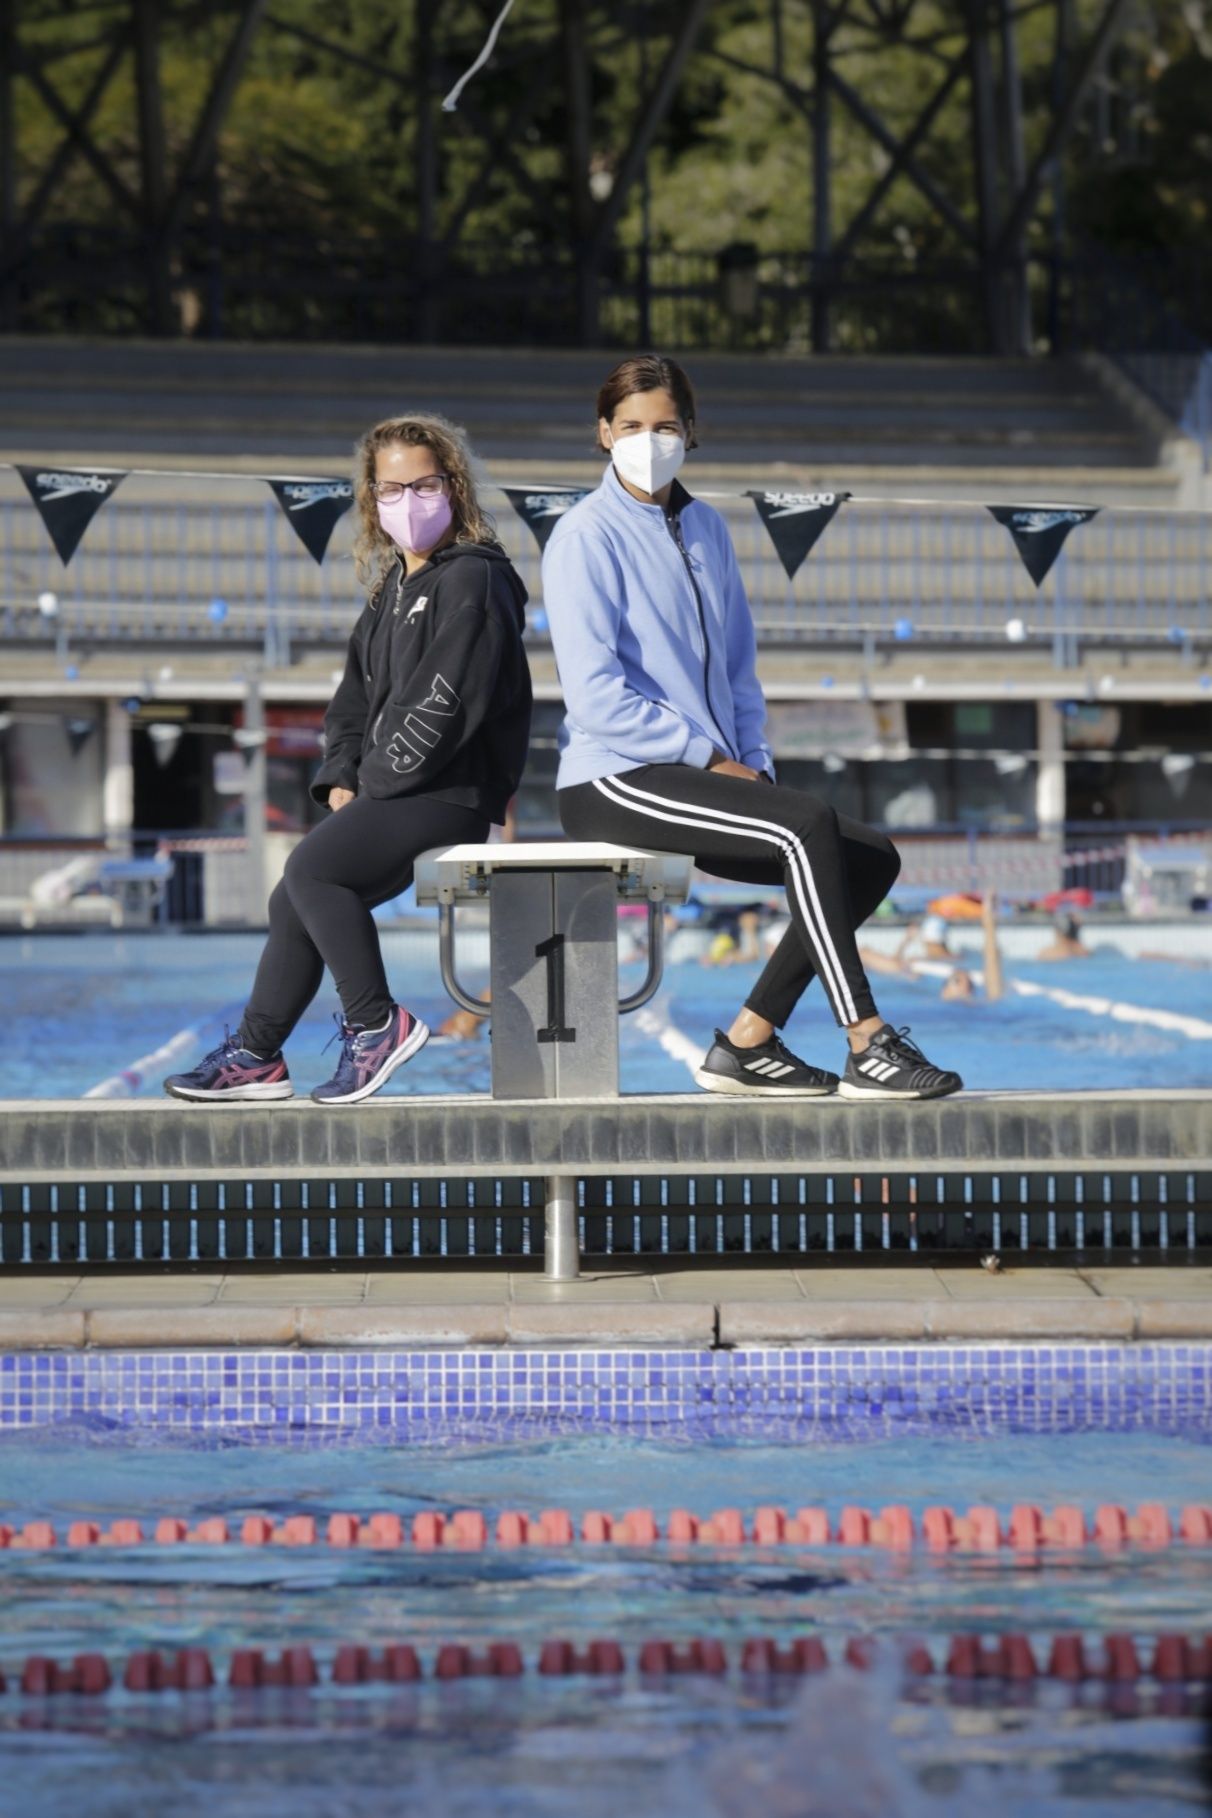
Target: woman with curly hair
425, 741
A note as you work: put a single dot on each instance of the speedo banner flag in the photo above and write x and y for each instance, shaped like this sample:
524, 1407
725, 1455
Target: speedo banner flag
312, 508
541, 507
1039, 532
68, 499
796, 521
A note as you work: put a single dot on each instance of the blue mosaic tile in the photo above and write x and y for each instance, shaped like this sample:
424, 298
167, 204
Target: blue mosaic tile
847, 1392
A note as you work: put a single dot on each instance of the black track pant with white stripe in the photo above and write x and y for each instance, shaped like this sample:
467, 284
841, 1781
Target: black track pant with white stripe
835, 870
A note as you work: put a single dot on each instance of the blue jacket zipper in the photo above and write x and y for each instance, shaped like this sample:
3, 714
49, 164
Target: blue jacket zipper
675, 530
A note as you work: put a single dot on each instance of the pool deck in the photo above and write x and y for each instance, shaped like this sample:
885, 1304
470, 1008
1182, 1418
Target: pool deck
878, 1295
655, 1303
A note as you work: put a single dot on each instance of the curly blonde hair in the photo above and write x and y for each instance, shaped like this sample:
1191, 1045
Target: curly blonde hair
373, 548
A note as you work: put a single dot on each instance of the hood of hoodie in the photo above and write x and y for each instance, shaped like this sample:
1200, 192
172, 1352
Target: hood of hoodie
490, 552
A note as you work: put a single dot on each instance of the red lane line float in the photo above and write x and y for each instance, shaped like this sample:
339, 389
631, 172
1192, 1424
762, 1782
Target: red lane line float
88, 1673
804, 1655
726, 1528
562, 1658
383, 1530
191, 1671
1173, 1661
359, 1666
123, 1533
1195, 1525
499, 1660
295, 1666
660, 1658
466, 1529
213, 1532
1027, 1529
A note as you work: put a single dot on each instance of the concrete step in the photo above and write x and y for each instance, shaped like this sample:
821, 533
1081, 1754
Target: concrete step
97, 399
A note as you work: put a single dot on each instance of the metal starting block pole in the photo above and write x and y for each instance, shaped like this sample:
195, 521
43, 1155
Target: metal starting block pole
553, 971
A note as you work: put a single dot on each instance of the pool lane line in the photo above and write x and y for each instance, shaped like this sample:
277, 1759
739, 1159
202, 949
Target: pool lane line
132, 1079
1194, 1027
656, 1021
1027, 1529
1168, 1658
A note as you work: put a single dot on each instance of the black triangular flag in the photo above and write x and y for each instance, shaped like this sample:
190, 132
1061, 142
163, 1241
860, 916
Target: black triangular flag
79, 730
312, 508
68, 499
796, 521
541, 507
1039, 531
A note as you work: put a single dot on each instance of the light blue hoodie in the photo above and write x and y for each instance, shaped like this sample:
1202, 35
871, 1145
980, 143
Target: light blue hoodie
655, 648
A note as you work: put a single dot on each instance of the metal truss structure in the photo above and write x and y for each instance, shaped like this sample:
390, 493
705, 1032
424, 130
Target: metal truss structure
568, 166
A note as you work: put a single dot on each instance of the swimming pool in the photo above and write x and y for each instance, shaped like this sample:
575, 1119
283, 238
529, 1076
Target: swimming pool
236, 1433
81, 1008
728, 1743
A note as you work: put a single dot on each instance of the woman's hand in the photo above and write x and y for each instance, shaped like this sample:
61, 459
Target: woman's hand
729, 767
337, 798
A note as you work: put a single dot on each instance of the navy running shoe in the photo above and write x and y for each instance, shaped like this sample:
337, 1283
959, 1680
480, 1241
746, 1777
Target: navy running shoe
369, 1057
893, 1066
233, 1075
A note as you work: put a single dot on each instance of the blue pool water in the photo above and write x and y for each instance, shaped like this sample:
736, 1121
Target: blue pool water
79, 1009
848, 1744
688, 1747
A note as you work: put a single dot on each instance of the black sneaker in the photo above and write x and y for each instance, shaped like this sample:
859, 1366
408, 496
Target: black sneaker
891, 1066
769, 1070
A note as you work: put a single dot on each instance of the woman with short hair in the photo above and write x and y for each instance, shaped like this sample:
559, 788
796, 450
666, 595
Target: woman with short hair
425, 740
664, 743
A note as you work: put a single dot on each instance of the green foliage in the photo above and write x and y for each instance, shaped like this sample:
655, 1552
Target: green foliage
326, 150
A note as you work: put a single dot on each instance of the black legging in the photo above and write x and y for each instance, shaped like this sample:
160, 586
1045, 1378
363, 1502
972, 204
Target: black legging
835, 870
319, 915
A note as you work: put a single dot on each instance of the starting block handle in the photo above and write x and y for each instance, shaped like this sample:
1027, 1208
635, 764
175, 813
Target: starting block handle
477, 1006
656, 958
463, 999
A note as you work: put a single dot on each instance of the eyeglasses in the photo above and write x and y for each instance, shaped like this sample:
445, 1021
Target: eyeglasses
390, 492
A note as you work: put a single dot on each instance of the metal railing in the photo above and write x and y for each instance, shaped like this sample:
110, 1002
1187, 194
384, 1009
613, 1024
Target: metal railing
243, 284
234, 574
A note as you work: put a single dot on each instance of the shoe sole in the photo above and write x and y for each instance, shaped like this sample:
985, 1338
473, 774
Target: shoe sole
234, 1095
846, 1090
718, 1082
418, 1036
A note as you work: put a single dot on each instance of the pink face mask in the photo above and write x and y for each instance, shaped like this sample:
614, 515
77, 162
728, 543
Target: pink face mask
417, 522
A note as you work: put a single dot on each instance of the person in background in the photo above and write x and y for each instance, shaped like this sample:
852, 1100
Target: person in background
933, 934
664, 743
959, 985
425, 740
1066, 942
735, 939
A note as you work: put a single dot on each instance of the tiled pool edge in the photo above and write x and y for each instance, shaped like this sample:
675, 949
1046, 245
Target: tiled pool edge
387, 1395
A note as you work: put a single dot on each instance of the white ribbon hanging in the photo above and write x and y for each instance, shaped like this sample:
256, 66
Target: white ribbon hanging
452, 100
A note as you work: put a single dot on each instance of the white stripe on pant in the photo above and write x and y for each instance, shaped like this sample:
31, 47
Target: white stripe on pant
770, 833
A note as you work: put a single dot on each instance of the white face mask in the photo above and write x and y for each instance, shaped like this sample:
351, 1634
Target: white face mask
648, 460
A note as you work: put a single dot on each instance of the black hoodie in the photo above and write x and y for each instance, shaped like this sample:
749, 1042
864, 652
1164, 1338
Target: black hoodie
435, 699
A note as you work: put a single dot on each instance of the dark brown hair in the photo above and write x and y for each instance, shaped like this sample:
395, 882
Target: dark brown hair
648, 372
